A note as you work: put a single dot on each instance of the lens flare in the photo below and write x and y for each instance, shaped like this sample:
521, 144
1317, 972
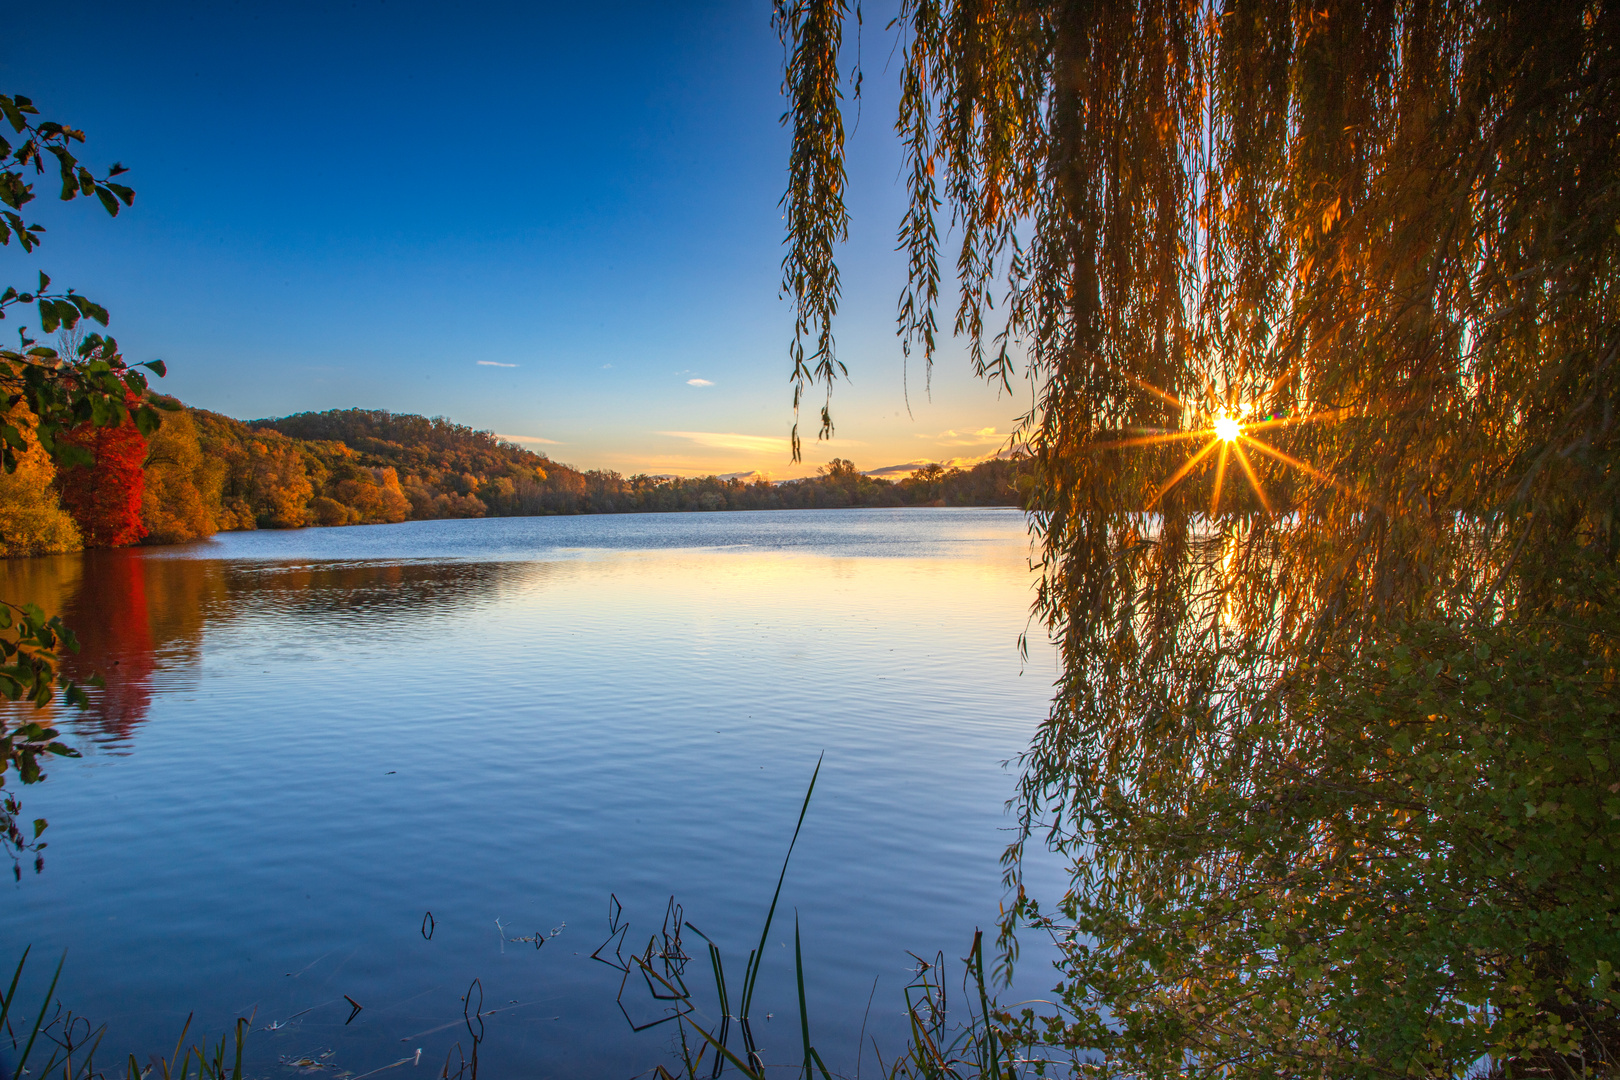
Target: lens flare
1227, 432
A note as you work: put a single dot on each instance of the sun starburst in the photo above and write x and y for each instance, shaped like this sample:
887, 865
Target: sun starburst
1224, 429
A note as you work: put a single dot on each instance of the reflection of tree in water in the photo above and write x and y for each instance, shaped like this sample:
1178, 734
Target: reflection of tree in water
140, 618
50, 582
139, 623
111, 616
371, 589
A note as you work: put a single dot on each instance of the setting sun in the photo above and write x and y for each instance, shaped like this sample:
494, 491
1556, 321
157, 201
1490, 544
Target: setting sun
1227, 428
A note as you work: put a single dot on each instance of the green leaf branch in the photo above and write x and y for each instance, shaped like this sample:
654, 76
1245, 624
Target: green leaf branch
94, 385
35, 140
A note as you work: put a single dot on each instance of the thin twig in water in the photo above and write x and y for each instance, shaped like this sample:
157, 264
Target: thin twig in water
394, 1065
277, 1025
306, 967
485, 1012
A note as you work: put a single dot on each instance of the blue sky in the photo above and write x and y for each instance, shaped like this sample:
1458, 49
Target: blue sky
545, 220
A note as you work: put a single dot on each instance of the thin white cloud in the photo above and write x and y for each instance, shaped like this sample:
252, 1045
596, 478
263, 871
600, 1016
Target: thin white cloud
527, 439
977, 437
698, 382
895, 472
890, 472
494, 363
730, 440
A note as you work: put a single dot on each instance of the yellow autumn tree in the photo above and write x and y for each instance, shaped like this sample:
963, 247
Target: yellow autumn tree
271, 474
182, 486
373, 492
32, 521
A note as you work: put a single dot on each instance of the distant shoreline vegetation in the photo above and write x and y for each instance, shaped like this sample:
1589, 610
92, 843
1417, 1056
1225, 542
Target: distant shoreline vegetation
203, 473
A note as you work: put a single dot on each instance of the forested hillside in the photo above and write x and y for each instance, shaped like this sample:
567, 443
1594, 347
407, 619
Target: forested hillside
202, 473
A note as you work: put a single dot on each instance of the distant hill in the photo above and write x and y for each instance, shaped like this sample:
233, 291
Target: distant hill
360, 427
446, 469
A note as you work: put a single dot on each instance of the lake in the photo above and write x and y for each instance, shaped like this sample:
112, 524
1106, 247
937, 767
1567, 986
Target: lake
312, 739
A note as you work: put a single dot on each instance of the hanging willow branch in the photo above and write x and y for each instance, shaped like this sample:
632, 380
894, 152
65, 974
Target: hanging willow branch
814, 203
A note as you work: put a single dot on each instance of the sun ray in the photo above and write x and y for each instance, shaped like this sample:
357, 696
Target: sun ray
1210, 399
1148, 440
1143, 384
1220, 479
1283, 421
1254, 481
1305, 468
1186, 467
1281, 379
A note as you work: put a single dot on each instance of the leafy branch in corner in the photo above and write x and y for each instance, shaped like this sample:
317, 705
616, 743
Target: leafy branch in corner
94, 386
39, 138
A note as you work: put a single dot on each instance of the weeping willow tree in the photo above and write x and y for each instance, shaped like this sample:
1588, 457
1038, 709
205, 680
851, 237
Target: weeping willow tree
1319, 305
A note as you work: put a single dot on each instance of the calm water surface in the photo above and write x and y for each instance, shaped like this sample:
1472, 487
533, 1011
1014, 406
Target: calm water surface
310, 739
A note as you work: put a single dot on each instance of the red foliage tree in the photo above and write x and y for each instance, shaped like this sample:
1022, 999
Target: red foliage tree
105, 498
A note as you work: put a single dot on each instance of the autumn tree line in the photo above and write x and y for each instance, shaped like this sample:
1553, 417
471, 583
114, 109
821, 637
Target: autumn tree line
202, 473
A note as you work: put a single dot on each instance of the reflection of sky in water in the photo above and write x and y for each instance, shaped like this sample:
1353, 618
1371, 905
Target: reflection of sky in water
873, 533
329, 732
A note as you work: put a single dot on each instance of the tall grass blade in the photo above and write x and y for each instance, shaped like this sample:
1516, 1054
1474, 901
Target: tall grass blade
11, 993
759, 953
184, 1062
750, 1064
725, 1004
804, 1011
810, 1054
747, 1069
89, 1059
44, 1006
990, 1051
